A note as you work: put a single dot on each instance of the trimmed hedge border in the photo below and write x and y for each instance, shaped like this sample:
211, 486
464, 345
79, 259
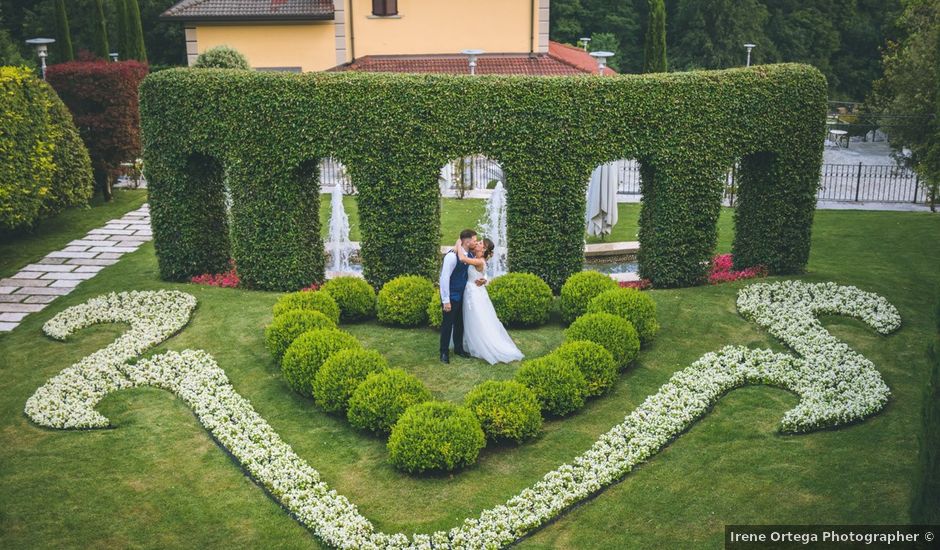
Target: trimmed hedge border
266, 131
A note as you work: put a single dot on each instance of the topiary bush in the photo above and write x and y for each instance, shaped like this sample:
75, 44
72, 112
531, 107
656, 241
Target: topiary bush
435, 313
521, 299
559, 386
507, 410
404, 301
435, 436
354, 296
579, 290
382, 397
310, 301
616, 334
631, 304
341, 374
593, 360
287, 327
222, 57
308, 352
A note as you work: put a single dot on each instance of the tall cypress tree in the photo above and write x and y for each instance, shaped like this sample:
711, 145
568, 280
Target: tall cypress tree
135, 32
654, 50
124, 48
63, 38
101, 48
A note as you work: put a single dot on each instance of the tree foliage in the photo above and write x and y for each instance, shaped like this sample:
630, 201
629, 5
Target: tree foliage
654, 46
63, 38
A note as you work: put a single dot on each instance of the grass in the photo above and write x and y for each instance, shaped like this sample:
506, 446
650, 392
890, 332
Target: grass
158, 480
23, 247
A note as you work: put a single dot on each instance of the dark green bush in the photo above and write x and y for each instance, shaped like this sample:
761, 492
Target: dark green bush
616, 334
579, 290
285, 328
404, 301
695, 126
435, 436
435, 313
521, 299
593, 360
558, 385
308, 352
341, 374
308, 300
507, 410
221, 57
382, 397
631, 304
354, 296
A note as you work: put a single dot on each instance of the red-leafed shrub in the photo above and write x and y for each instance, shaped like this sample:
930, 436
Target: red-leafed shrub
102, 97
642, 284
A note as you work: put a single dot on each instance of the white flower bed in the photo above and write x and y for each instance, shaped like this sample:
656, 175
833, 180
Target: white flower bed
835, 385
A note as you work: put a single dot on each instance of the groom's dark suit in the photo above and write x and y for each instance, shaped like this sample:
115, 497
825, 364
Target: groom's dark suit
452, 289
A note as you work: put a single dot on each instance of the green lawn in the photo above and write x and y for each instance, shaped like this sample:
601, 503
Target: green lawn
23, 247
157, 480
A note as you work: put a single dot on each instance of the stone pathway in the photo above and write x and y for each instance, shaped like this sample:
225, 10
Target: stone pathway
36, 285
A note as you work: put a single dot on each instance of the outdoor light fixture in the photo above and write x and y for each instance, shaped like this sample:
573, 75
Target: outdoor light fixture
42, 50
584, 42
113, 56
601, 58
472, 58
749, 48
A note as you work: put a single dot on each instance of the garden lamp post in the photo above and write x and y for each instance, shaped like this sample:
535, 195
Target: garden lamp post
42, 50
472, 59
113, 56
749, 48
584, 42
601, 58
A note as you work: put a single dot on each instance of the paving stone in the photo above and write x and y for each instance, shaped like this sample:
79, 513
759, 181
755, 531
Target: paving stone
46, 268
116, 224
11, 298
61, 254
89, 268
95, 261
105, 231
90, 242
40, 299
44, 291
26, 275
76, 248
125, 238
12, 317
113, 249
74, 276
108, 256
7, 289
20, 308
67, 283
140, 227
24, 282
51, 261
7, 327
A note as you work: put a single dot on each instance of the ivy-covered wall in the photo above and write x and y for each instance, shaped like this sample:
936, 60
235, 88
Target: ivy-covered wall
262, 133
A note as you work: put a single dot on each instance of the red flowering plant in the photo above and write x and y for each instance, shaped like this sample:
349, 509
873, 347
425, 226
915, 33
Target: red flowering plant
230, 279
722, 270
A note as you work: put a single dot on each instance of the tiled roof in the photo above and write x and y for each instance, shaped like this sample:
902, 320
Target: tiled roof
551, 64
249, 10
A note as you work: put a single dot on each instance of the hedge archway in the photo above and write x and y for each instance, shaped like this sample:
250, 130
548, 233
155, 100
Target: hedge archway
393, 132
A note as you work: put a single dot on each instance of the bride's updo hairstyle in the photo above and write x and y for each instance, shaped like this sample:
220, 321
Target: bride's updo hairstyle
488, 248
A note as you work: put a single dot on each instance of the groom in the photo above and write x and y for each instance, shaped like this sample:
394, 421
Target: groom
452, 282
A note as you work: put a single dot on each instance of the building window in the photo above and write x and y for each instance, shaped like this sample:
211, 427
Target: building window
384, 7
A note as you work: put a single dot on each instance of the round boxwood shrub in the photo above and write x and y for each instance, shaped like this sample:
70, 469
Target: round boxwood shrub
435, 436
222, 57
285, 328
559, 386
506, 410
593, 360
616, 334
308, 352
382, 397
435, 313
521, 299
309, 300
631, 304
404, 301
341, 374
354, 296
579, 290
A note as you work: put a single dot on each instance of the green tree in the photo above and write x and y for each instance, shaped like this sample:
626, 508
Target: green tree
63, 38
654, 47
712, 33
607, 42
100, 47
907, 97
135, 32
123, 32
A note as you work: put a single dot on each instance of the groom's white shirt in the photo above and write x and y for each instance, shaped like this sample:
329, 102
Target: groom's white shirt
450, 262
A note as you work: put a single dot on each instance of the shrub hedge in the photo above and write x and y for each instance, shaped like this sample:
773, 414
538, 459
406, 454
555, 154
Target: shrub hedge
341, 374
221, 57
507, 410
521, 299
579, 290
558, 385
435, 313
435, 436
308, 300
403, 301
354, 296
631, 304
288, 326
308, 352
593, 360
548, 134
616, 334
45, 165
382, 397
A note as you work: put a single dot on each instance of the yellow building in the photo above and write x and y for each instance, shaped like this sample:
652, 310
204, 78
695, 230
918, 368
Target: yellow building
381, 35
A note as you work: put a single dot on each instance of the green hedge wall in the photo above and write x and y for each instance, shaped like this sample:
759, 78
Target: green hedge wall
393, 132
45, 166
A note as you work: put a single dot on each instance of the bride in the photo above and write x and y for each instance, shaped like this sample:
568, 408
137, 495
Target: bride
484, 335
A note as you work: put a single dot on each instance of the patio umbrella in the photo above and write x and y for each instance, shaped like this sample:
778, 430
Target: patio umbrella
601, 215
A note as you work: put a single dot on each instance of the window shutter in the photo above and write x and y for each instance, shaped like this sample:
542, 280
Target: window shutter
384, 7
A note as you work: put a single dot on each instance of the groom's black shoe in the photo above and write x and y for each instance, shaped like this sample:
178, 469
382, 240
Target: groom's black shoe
445, 358
461, 353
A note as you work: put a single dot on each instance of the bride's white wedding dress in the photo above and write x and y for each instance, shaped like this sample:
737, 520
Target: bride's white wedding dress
483, 334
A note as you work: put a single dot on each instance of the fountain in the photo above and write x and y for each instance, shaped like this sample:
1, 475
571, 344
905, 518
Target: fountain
338, 245
493, 226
